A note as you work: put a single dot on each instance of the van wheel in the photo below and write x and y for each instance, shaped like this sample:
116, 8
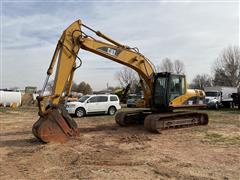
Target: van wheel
112, 110
216, 106
80, 112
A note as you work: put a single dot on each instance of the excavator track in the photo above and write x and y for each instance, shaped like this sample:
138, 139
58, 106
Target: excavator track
156, 122
159, 122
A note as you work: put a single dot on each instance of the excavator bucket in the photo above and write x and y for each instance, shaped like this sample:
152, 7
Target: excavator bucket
55, 126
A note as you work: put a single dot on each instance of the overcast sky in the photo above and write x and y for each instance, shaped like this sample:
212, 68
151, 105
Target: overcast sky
194, 32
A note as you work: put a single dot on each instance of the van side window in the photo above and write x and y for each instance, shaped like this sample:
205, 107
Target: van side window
113, 98
92, 100
102, 99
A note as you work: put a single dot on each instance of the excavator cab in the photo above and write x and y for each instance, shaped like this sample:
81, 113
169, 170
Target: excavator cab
167, 87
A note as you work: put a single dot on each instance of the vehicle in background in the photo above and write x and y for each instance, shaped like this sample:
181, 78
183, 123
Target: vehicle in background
94, 104
219, 96
10, 98
122, 93
236, 98
133, 99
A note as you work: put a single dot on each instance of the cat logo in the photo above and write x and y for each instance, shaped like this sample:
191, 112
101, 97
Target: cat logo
110, 51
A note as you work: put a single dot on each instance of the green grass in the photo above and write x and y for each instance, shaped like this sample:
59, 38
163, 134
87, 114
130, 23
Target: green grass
21, 108
3, 110
222, 116
219, 138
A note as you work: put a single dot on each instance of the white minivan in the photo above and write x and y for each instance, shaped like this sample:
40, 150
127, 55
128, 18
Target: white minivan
89, 104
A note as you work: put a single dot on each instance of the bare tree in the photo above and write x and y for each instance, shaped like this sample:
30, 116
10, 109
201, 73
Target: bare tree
127, 76
200, 81
165, 66
220, 78
81, 87
168, 66
179, 67
88, 89
227, 67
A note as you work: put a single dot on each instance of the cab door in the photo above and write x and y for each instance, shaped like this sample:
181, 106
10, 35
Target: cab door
160, 98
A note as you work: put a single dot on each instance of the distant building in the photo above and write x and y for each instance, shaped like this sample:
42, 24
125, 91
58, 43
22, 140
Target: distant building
30, 89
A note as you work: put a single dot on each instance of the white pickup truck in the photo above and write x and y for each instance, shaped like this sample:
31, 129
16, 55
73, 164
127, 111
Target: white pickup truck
219, 96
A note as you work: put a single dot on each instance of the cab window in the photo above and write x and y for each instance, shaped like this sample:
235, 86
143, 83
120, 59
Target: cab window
177, 86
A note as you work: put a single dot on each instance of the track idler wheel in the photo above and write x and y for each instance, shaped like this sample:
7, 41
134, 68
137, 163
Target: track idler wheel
55, 126
120, 118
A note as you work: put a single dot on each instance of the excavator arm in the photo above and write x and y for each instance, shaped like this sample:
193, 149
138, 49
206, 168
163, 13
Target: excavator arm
72, 40
54, 123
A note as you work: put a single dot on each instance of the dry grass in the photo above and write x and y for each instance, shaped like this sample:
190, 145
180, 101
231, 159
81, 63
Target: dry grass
221, 139
106, 151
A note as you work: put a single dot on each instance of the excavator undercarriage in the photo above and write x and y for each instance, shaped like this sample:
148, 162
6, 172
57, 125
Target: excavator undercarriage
156, 122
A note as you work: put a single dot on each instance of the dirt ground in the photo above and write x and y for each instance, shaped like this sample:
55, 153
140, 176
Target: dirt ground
106, 151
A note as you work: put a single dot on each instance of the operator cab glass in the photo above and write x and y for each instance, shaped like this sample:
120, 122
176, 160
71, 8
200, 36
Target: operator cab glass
177, 86
166, 88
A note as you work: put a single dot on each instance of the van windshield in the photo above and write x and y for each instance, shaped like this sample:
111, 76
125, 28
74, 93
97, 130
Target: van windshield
211, 94
83, 98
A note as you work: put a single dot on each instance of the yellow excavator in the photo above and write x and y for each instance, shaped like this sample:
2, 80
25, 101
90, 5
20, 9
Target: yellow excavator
163, 92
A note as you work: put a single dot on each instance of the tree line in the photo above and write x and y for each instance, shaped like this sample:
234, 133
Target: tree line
225, 71
82, 87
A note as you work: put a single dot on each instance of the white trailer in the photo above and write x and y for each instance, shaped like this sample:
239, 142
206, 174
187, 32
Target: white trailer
218, 96
8, 98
